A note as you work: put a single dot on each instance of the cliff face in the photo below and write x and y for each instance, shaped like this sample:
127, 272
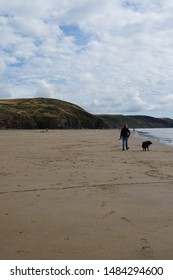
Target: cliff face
45, 113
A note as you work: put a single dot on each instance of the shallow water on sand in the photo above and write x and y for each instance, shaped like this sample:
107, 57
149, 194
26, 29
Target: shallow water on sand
163, 135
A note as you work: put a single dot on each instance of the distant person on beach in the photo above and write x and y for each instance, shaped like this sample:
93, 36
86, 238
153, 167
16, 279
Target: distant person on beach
124, 136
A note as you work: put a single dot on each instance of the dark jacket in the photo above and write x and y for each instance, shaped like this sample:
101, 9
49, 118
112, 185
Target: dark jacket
125, 132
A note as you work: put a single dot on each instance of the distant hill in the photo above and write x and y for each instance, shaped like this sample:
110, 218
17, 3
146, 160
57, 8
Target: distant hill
137, 121
45, 113
42, 113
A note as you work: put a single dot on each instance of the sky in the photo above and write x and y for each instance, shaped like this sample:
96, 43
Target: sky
108, 57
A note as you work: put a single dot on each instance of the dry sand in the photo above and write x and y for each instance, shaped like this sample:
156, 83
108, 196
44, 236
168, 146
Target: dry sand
74, 194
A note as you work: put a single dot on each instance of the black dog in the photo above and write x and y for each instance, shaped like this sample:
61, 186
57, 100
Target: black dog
145, 145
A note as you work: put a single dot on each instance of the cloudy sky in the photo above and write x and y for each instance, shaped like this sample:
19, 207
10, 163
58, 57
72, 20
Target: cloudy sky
107, 56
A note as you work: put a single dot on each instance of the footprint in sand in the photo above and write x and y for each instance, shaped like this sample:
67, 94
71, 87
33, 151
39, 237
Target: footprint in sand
104, 203
127, 220
20, 251
108, 214
66, 238
146, 249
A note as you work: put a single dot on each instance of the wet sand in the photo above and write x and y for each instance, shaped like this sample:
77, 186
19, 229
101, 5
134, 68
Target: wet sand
74, 194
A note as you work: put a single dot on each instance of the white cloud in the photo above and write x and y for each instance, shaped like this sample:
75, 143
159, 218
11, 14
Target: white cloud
44, 89
109, 57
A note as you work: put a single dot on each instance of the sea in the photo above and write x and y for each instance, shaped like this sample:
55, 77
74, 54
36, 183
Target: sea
162, 135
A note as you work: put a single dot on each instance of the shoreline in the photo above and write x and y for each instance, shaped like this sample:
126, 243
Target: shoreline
75, 194
142, 134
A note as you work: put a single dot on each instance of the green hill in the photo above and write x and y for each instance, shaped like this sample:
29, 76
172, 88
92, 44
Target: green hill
137, 121
49, 113
45, 113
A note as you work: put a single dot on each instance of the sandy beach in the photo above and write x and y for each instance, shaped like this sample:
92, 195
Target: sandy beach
74, 194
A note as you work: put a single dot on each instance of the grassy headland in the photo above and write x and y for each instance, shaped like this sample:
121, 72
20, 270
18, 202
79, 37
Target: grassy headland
42, 113
45, 113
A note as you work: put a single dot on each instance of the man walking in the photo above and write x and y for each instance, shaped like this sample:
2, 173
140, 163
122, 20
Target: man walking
124, 135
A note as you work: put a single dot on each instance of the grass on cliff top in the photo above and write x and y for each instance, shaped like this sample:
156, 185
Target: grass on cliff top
40, 105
